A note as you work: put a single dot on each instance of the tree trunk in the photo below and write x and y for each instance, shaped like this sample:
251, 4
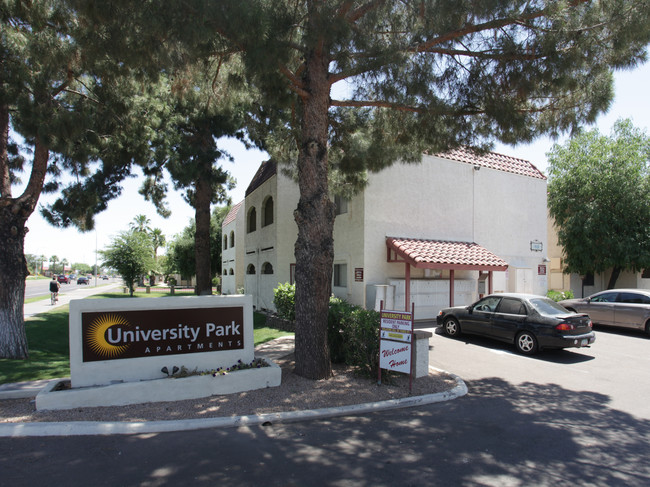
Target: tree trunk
202, 201
314, 248
13, 270
14, 213
616, 271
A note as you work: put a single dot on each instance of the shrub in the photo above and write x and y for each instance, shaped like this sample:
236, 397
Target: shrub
284, 299
352, 332
361, 340
339, 309
559, 295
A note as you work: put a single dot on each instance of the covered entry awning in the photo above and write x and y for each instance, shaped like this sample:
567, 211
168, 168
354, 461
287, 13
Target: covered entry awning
444, 255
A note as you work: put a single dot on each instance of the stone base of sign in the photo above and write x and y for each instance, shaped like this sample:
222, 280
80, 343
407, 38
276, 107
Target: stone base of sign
53, 397
421, 358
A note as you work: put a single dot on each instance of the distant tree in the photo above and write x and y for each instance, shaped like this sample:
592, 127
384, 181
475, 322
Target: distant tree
33, 263
181, 251
599, 197
130, 254
53, 260
82, 268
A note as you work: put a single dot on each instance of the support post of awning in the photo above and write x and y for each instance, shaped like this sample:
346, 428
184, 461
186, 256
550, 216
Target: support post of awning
451, 288
407, 289
490, 282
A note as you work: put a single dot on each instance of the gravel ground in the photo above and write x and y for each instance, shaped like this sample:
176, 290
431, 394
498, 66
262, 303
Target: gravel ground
295, 393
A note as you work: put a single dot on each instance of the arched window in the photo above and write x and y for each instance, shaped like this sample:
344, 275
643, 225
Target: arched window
232, 272
225, 242
267, 211
267, 268
232, 238
250, 269
252, 220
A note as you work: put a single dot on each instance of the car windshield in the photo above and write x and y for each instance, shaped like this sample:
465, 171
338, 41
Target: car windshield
547, 306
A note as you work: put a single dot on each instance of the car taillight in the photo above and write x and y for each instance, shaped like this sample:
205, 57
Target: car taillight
564, 327
591, 325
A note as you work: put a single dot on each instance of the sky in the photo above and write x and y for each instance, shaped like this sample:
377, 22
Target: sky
632, 100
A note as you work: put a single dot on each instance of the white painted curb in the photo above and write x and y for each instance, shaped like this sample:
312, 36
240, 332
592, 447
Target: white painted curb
86, 428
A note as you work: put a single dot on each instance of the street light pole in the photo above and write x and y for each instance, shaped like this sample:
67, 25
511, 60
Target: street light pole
95, 258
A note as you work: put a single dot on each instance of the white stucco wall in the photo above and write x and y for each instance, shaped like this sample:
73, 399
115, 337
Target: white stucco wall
260, 244
233, 256
273, 243
447, 200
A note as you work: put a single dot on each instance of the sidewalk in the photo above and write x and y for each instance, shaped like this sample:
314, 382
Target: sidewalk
66, 294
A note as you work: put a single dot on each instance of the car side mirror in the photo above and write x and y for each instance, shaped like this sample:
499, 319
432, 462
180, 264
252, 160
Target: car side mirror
470, 309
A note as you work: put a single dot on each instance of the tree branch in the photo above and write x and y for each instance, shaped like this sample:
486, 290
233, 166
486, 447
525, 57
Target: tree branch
493, 24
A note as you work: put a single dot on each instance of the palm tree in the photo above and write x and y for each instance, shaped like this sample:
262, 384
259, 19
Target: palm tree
64, 262
53, 260
158, 240
140, 224
41, 259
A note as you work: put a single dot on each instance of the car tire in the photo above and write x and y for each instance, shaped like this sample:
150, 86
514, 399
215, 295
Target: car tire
647, 327
526, 343
451, 327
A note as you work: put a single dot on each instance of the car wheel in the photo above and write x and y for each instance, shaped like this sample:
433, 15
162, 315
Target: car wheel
647, 327
452, 327
526, 343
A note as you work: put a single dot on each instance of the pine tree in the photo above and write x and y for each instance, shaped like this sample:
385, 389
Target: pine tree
423, 76
74, 111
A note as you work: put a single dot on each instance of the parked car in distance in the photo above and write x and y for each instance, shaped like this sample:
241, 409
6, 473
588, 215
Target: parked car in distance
105, 278
626, 308
530, 322
63, 279
82, 280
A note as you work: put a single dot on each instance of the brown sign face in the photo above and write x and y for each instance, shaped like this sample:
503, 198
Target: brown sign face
112, 335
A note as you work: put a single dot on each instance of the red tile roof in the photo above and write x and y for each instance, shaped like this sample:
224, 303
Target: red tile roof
441, 254
232, 214
492, 160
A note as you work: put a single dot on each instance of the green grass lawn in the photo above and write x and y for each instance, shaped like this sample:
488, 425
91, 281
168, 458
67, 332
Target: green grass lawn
47, 338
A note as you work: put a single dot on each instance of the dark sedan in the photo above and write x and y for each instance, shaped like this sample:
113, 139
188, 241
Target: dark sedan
530, 322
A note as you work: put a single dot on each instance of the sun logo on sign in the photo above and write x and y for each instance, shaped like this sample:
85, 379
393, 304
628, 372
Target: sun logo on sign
96, 335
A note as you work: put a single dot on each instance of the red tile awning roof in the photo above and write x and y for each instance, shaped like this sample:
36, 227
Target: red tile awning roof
441, 254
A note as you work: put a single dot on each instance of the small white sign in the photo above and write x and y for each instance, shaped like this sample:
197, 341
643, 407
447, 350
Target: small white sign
395, 356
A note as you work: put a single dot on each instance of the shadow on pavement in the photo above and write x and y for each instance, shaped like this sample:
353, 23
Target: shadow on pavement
497, 435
